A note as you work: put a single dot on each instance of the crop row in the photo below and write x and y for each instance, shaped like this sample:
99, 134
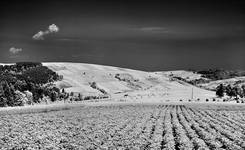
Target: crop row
167, 127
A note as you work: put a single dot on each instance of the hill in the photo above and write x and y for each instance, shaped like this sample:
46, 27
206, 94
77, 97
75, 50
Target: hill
220, 74
236, 81
208, 79
91, 79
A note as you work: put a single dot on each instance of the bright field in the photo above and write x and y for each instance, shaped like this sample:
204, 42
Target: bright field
132, 126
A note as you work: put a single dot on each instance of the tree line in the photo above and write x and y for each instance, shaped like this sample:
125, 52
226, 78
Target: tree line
235, 91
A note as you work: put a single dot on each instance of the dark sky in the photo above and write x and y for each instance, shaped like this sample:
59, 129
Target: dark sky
145, 35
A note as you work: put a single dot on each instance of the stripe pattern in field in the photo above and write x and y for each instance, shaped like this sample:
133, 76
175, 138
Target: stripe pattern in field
168, 127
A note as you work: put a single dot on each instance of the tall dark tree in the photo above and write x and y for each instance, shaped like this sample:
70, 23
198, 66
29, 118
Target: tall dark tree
243, 90
235, 91
1, 90
53, 96
228, 90
79, 97
220, 90
3, 99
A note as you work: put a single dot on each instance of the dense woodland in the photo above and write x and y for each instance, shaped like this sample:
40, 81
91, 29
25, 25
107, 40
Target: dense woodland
27, 83
235, 91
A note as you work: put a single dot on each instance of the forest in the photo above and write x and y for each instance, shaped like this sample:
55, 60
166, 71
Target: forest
27, 83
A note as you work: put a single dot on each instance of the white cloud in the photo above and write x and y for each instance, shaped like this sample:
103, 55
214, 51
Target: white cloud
51, 29
14, 50
39, 35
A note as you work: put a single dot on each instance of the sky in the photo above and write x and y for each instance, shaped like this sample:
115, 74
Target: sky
144, 35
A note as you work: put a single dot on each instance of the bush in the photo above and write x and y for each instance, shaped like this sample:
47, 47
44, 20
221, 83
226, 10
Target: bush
90, 97
53, 96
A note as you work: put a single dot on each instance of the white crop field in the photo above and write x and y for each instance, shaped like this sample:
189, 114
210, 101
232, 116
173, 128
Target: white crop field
127, 126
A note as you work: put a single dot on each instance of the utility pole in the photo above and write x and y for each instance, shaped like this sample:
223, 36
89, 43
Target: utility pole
192, 93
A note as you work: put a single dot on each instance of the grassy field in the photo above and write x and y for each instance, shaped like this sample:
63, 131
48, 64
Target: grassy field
124, 126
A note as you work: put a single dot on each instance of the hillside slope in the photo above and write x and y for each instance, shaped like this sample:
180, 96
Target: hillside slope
118, 82
196, 78
212, 85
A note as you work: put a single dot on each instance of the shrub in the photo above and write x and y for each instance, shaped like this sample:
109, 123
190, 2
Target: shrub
53, 96
220, 90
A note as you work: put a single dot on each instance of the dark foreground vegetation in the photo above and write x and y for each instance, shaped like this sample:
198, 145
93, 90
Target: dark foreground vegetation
231, 91
27, 83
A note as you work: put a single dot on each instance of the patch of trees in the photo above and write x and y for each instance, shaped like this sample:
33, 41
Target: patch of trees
78, 97
95, 86
129, 79
95, 97
234, 91
19, 67
198, 81
193, 82
220, 74
27, 83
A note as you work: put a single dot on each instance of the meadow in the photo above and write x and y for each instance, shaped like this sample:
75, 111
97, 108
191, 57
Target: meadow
127, 126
